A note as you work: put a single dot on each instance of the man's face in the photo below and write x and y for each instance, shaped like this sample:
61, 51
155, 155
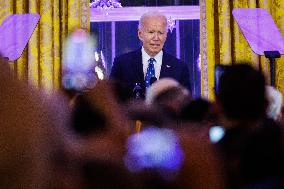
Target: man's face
153, 34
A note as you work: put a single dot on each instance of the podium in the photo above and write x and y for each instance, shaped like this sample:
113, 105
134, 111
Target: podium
261, 33
15, 32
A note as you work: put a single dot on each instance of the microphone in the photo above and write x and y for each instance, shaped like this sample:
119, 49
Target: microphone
153, 80
137, 90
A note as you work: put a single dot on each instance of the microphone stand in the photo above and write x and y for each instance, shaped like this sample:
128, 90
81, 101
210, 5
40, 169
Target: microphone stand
137, 91
272, 55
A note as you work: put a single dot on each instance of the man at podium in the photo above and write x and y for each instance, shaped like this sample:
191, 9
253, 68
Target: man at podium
149, 63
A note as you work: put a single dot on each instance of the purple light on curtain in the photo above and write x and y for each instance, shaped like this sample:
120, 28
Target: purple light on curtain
112, 40
178, 39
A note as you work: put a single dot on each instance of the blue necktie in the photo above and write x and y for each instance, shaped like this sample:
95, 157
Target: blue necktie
150, 72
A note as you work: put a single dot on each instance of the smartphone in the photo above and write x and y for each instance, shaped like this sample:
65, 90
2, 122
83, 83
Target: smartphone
154, 148
79, 61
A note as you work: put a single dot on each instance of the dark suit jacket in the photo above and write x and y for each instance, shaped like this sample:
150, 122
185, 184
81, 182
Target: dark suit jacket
128, 69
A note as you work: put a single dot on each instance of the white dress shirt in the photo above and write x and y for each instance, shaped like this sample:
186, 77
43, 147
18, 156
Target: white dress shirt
157, 64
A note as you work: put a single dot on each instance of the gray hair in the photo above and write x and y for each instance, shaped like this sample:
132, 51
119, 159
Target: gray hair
151, 14
274, 98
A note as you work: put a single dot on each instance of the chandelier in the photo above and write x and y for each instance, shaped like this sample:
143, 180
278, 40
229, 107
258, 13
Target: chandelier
105, 4
171, 24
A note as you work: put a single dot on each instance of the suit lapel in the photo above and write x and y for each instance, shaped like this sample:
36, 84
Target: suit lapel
166, 66
137, 65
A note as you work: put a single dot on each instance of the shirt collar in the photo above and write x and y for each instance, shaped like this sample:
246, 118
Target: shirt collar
157, 64
147, 57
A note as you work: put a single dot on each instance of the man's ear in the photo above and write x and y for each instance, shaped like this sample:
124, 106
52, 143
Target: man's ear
140, 33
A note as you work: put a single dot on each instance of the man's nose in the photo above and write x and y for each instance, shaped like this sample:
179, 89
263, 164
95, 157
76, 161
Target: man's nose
156, 36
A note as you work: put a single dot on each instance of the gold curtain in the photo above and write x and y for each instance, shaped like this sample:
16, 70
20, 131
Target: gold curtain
40, 63
223, 43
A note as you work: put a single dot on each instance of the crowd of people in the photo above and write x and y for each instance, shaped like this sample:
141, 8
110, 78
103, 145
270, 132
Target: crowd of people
165, 139
46, 143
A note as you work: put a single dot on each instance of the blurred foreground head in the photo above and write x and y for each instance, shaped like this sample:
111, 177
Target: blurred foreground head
29, 140
241, 93
167, 93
